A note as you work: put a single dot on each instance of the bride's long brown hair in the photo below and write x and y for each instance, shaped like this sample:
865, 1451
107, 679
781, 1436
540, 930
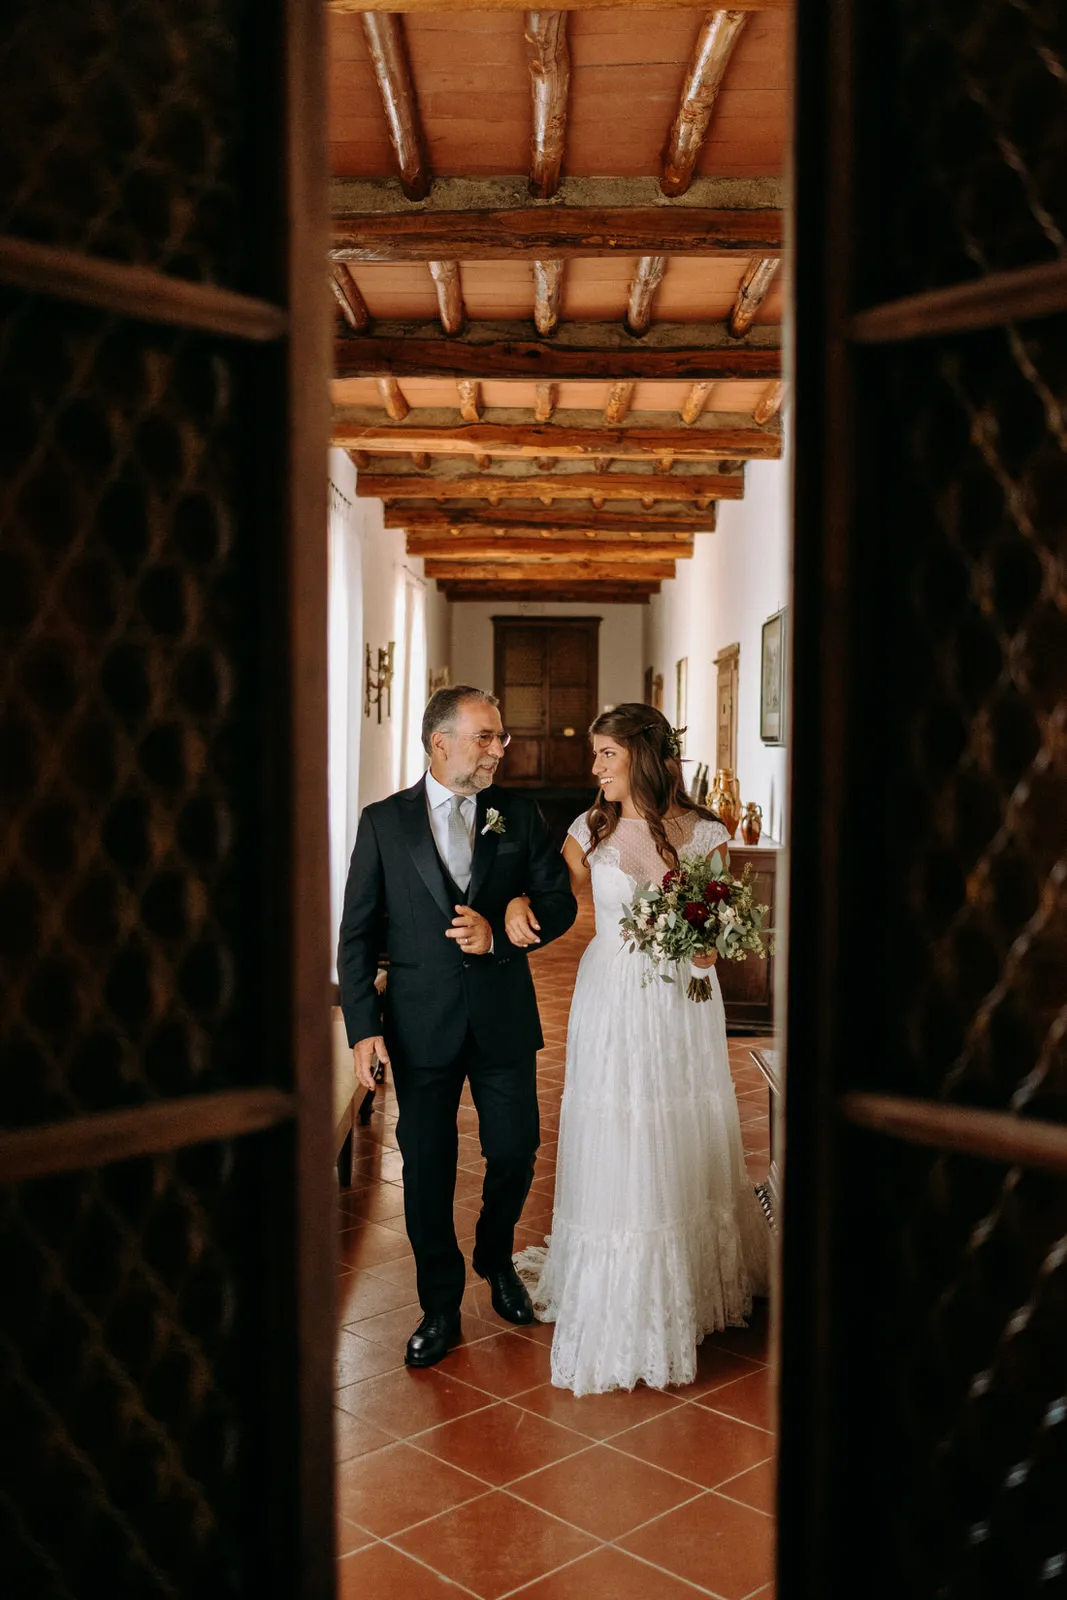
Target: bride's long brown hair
656, 782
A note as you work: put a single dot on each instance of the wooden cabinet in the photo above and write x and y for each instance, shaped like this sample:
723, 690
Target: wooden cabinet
545, 676
748, 986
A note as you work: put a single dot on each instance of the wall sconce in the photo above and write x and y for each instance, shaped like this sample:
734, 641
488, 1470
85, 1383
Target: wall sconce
377, 683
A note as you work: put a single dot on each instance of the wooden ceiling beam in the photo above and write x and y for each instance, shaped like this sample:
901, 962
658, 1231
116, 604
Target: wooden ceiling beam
590, 593
714, 46
450, 307
346, 292
557, 571
561, 521
548, 295
387, 48
511, 547
532, 440
436, 7
555, 231
593, 350
646, 281
402, 484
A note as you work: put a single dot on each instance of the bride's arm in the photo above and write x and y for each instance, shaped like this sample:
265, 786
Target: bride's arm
572, 855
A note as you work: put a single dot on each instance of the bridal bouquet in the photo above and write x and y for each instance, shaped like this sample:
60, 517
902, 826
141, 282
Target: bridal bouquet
698, 909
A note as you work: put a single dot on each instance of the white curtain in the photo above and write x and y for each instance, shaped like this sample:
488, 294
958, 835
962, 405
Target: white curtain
411, 679
345, 695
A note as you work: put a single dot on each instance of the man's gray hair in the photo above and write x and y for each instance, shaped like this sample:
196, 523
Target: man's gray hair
440, 713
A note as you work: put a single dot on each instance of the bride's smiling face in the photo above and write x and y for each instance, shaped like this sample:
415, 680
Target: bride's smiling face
611, 768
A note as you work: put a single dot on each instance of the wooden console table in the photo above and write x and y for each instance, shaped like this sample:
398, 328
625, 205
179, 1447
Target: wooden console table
768, 1059
748, 986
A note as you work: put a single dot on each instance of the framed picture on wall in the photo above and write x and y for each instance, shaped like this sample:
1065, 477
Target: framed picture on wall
681, 692
653, 688
438, 678
772, 680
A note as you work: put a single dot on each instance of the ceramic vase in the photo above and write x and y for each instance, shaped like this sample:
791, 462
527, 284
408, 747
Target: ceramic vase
752, 823
725, 799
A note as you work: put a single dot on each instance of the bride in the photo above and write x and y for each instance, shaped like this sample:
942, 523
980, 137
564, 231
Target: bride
657, 1234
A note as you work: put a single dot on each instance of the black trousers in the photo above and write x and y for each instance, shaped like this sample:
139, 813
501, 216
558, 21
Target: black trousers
505, 1095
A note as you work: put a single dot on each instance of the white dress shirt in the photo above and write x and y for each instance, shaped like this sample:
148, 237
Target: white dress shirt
439, 806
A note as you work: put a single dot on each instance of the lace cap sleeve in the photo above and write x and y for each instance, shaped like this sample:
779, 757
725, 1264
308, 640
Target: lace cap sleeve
709, 836
579, 830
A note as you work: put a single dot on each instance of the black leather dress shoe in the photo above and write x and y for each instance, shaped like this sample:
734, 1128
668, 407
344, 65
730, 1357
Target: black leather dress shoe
433, 1339
509, 1296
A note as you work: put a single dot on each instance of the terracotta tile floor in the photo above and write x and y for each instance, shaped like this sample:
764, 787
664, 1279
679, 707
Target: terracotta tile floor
479, 1478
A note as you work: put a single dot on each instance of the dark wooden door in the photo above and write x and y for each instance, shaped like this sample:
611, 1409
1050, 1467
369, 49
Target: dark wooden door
166, 1206
924, 1219
546, 678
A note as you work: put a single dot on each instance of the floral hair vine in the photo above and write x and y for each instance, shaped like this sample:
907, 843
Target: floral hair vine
673, 738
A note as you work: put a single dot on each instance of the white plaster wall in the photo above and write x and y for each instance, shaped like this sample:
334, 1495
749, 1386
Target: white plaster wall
737, 578
387, 571
619, 656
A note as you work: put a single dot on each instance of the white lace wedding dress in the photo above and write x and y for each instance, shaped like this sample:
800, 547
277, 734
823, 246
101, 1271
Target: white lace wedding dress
657, 1235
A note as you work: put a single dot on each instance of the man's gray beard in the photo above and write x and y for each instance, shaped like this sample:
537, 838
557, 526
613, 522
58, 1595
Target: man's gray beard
474, 783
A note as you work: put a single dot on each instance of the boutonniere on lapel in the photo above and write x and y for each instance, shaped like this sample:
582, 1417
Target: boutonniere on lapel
494, 822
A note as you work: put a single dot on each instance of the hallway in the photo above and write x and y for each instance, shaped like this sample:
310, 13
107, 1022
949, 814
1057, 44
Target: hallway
477, 1477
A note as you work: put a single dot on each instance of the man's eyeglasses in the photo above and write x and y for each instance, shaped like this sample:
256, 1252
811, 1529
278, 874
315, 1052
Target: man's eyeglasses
485, 740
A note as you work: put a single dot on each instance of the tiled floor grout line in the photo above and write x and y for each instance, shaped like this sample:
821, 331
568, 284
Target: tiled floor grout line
460, 1587
667, 1573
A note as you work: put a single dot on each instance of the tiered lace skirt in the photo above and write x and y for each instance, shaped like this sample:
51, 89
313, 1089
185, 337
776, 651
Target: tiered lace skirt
657, 1235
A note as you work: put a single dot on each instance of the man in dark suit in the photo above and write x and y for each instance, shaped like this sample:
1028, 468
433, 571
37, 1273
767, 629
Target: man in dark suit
433, 871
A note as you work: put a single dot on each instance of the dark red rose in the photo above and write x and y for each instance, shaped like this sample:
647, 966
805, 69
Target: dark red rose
716, 893
695, 914
669, 878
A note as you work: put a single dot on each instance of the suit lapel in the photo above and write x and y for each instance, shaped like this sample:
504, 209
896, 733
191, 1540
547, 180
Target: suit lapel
415, 821
484, 844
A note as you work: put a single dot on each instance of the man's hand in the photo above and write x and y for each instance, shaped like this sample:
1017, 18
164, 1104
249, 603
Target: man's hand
471, 931
363, 1055
520, 924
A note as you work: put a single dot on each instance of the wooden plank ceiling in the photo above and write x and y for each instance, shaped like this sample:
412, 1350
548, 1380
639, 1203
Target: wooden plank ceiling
556, 260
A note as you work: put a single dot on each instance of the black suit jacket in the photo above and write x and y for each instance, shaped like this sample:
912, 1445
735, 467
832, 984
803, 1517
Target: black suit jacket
400, 899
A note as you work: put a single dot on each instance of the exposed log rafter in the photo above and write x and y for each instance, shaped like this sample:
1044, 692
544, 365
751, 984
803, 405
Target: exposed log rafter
387, 47
497, 546
548, 295
547, 399
646, 281
393, 399
770, 402
715, 43
755, 284
450, 307
619, 401
695, 401
346, 293
549, 61
470, 400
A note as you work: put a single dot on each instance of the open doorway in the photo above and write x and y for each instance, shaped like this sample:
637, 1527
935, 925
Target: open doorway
168, 1208
558, 261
